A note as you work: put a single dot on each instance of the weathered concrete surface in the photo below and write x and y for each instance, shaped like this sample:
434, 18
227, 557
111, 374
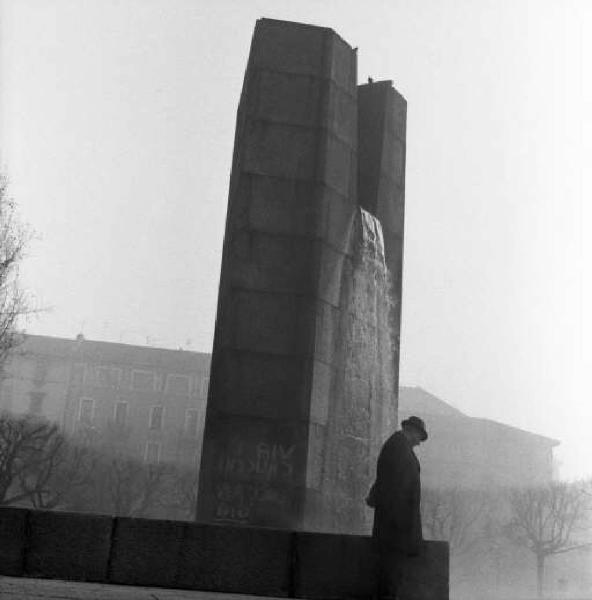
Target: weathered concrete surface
291, 205
382, 128
218, 558
145, 552
236, 559
297, 405
200, 556
21, 588
351, 570
426, 576
69, 546
331, 566
12, 540
361, 399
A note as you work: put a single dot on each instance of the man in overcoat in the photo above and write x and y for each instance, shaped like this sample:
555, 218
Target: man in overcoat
395, 497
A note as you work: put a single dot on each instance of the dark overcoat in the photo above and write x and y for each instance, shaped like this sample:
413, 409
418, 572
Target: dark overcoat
396, 497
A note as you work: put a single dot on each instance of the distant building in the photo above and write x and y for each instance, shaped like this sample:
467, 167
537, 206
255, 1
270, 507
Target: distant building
470, 452
160, 395
477, 459
157, 397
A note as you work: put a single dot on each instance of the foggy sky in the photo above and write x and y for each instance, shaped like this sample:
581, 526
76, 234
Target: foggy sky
117, 130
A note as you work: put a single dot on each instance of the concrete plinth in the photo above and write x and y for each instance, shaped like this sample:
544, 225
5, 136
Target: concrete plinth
216, 558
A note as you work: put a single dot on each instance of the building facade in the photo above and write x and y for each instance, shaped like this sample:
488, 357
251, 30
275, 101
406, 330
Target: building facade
469, 452
152, 398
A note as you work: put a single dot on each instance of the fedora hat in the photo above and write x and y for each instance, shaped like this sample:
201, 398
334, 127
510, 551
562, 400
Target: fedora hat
418, 424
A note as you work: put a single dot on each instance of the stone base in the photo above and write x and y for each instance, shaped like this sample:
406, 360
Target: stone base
196, 556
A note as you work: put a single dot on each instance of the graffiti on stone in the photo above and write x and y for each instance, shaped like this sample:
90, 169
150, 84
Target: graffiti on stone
250, 480
234, 501
263, 461
242, 502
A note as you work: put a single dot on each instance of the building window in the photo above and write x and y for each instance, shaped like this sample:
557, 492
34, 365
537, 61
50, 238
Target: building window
78, 374
177, 384
143, 380
36, 402
87, 409
40, 372
159, 381
156, 414
121, 414
108, 376
205, 384
191, 422
6, 396
152, 453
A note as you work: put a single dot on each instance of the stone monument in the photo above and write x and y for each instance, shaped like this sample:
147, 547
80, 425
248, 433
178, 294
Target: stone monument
304, 375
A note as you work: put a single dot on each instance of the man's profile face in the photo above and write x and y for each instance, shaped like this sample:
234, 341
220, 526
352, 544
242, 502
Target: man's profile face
415, 436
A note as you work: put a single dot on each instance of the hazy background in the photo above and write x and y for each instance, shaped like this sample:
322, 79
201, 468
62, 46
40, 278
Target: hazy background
117, 129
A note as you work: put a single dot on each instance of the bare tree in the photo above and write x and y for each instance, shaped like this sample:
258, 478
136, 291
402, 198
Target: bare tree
13, 239
121, 483
27, 444
130, 487
545, 520
55, 481
452, 514
183, 497
35, 476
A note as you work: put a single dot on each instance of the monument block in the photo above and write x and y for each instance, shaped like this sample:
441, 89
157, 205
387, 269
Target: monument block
305, 358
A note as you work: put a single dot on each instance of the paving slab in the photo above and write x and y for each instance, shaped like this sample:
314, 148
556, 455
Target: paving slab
23, 588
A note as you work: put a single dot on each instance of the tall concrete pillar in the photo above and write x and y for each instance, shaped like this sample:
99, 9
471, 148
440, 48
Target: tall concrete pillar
283, 431
382, 132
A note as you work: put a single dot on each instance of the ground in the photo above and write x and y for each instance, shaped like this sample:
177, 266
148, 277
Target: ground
22, 588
